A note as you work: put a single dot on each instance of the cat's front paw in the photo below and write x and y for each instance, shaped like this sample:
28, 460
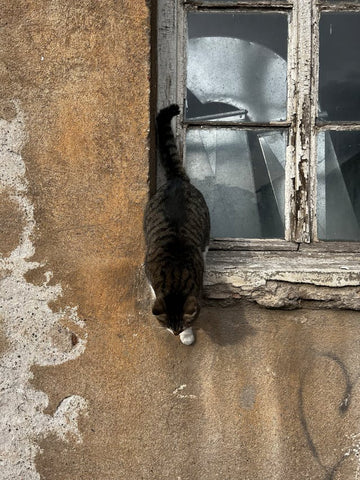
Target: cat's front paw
187, 337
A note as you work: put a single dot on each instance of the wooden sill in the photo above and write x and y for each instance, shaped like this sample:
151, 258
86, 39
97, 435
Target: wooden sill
227, 244
280, 278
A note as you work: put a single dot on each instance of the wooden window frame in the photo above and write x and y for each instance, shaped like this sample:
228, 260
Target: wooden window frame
301, 239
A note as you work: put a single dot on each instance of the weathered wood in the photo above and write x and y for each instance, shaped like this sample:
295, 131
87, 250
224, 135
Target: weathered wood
290, 165
299, 203
335, 247
314, 105
235, 124
337, 126
325, 5
169, 31
284, 279
166, 48
240, 3
227, 244
302, 100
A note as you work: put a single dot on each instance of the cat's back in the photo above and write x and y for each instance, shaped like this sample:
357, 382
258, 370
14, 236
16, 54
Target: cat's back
178, 209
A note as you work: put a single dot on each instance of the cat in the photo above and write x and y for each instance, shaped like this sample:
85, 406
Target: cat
177, 232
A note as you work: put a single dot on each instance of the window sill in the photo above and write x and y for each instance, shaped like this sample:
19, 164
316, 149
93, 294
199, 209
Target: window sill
286, 279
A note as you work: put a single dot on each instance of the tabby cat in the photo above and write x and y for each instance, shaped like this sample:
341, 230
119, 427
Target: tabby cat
177, 228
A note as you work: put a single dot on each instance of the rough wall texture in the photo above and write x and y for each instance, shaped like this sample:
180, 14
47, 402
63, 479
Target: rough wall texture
74, 126
91, 387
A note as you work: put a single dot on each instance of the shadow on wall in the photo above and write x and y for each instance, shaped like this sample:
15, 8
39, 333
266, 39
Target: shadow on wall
223, 327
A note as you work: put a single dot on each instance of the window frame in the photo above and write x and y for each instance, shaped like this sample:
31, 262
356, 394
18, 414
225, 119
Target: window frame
302, 100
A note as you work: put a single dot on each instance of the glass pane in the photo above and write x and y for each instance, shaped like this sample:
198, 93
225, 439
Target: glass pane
241, 174
339, 83
338, 210
236, 66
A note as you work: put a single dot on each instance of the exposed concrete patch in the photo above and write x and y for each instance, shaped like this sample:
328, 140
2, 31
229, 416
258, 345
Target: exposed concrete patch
354, 450
33, 332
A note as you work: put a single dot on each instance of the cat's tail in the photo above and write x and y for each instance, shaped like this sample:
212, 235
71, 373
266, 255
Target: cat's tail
169, 154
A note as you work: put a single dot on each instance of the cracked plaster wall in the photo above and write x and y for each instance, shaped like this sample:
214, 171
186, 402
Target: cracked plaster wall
74, 96
34, 333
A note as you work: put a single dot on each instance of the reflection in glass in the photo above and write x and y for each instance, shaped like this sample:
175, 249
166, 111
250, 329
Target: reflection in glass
236, 66
338, 206
241, 175
339, 82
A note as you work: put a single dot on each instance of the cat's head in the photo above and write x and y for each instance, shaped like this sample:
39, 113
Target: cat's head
176, 313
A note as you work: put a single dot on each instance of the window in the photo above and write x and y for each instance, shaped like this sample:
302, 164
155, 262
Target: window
270, 132
270, 91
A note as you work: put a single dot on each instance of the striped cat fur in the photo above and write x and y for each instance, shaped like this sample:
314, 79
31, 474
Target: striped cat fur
177, 229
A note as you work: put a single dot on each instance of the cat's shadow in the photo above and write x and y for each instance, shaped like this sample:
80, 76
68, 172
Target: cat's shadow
225, 325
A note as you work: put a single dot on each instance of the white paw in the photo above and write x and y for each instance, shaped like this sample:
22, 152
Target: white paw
187, 337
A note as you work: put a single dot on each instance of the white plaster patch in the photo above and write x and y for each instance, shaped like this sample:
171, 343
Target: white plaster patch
355, 450
28, 323
178, 393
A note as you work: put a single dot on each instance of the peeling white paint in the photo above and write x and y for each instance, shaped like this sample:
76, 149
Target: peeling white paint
284, 279
29, 324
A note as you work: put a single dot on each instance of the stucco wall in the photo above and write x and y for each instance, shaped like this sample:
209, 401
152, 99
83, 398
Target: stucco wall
91, 387
74, 165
